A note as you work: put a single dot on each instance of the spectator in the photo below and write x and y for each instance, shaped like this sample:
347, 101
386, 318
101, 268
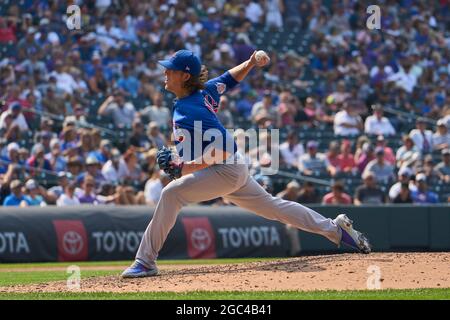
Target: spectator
212, 23
389, 155
308, 194
107, 193
17, 117
63, 180
377, 124
291, 150
102, 154
34, 197
291, 192
68, 198
93, 169
12, 156
369, 192
404, 175
382, 171
157, 112
404, 194
345, 160
359, 146
149, 163
244, 106
381, 71
64, 80
443, 167
366, 156
441, 139
114, 170
38, 160
287, 109
309, 113
53, 103
88, 195
337, 195
123, 113
74, 165
154, 186
422, 195
291, 11
264, 109
57, 161
44, 138
274, 10
429, 170
315, 163
422, 138
253, 11
133, 171
7, 32
138, 138
405, 78
192, 27
333, 153
16, 198
347, 122
127, 82
408, 153
224, 113
155, 136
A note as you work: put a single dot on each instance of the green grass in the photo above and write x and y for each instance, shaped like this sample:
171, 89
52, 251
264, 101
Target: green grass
15, 278
35, 276
421, 294
128, 262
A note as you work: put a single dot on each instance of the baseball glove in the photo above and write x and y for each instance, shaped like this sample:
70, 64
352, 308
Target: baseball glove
164, 157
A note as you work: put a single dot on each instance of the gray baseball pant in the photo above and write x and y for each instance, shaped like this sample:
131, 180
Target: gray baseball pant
233, 182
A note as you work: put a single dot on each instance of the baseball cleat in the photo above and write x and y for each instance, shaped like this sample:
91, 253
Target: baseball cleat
138, 270
350, 236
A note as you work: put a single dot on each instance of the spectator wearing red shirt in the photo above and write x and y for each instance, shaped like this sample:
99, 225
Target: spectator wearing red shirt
7, 33
333, 153
346, 160
37, 160
389, 155
287, 109
337, 195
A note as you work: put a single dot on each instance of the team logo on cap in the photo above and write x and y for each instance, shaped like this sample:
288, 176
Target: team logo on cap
221, 87
187, 68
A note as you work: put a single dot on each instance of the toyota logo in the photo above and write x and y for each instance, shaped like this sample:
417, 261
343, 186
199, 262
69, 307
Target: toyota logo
72, 242
200, 238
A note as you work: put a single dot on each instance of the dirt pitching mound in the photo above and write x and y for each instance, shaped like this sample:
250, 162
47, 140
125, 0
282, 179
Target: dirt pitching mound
326, 272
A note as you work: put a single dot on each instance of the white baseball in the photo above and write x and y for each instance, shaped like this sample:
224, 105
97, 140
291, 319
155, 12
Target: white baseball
261, 55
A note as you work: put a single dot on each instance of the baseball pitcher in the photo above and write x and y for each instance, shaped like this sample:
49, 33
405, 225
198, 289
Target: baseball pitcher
209, 173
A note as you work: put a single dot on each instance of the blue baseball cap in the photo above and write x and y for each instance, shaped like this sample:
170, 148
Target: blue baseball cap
183, 60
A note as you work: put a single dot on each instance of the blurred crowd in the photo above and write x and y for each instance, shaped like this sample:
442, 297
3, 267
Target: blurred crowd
377, 101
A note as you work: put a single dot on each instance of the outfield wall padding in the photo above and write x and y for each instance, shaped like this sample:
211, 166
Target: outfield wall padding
99, 233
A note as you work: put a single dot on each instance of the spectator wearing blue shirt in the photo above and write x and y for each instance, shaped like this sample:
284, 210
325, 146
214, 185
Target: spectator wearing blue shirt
92, 169
422, 195
128, 82
103, 154
245, 105
16, 198
34, 198
212, 23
